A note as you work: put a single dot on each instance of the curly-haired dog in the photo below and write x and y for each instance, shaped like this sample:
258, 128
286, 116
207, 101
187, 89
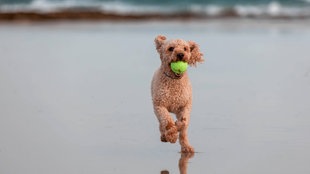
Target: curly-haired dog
171, 92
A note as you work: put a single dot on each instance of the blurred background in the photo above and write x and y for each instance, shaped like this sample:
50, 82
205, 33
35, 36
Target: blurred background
141, 9
75, 86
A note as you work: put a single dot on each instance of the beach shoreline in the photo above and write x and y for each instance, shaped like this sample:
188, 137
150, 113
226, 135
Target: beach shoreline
75, 97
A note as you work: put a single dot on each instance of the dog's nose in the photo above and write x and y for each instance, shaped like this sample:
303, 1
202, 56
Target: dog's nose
180, 56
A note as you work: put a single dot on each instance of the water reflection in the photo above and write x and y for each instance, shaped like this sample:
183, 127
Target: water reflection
183, 163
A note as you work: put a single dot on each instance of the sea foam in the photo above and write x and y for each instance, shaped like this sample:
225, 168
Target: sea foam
271, 9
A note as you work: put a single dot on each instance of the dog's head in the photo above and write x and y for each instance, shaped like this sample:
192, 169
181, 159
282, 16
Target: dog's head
177, 50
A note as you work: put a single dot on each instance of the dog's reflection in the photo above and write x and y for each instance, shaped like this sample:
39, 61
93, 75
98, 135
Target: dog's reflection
183, 163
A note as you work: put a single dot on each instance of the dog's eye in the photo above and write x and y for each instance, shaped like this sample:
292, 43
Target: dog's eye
170, 49
185, 49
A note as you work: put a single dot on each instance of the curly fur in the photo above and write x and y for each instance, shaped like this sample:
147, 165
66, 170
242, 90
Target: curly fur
172, 93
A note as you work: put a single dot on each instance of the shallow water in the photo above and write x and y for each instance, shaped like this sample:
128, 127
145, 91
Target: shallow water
75, 98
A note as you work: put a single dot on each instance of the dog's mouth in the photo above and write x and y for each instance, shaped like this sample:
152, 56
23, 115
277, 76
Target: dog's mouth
178, 67
172, 74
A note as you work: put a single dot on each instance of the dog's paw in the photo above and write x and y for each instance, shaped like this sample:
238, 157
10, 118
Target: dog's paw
163, 138
187, 149
171, 134
187, 156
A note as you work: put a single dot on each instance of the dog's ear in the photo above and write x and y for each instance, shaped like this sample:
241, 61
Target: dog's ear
159, 41
196, 55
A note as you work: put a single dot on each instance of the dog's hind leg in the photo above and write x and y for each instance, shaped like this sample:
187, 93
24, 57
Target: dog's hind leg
167, 127
182, 125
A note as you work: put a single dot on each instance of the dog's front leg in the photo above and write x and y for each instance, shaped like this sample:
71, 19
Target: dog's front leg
168, 129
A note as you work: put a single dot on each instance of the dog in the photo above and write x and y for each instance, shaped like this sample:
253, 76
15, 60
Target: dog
172, 92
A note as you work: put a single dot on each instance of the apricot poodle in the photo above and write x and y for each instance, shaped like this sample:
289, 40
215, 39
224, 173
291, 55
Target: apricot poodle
172, 92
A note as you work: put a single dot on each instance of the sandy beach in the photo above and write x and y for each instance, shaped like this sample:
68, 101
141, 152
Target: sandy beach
75, 97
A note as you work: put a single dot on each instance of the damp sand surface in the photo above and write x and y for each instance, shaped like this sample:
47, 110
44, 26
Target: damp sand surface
75, 98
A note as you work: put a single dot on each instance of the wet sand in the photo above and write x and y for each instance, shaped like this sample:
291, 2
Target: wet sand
75, 98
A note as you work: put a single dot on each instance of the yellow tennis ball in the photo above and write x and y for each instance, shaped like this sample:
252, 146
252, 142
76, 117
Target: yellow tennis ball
178, 67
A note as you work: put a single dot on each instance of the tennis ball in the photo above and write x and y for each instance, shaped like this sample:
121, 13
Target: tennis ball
178, 67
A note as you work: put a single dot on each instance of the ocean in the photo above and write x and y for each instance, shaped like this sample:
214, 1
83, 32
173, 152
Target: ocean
198, 8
